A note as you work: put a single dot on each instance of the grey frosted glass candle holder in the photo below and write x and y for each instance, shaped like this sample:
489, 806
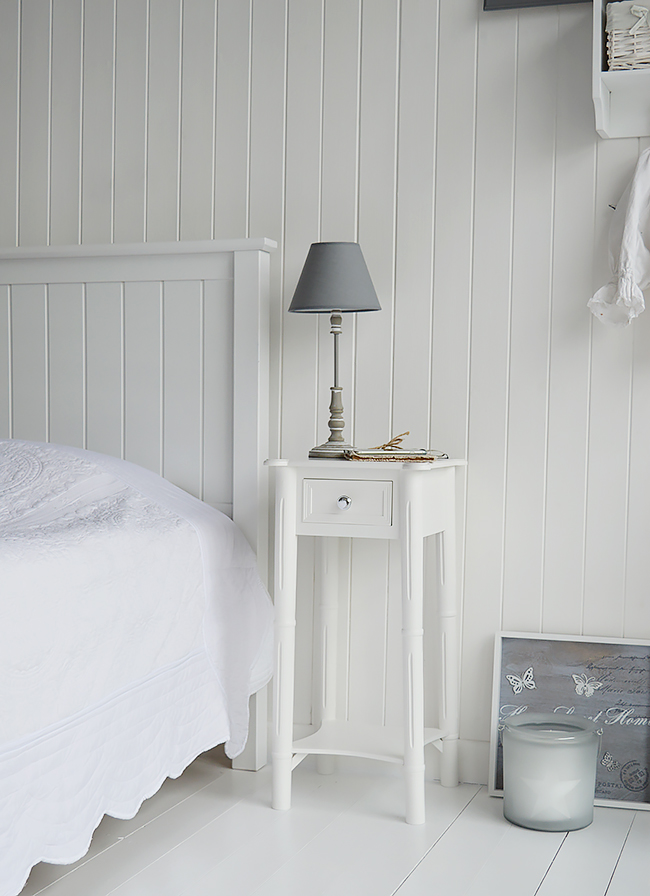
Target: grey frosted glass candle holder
549, 771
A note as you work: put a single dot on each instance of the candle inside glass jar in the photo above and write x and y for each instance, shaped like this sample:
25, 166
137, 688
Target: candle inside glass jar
549, 771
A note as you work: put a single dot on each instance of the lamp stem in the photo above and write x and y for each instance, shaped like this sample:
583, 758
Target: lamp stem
336, 320
335, 445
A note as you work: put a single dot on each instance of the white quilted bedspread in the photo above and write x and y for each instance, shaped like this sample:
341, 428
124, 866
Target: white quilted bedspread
133, 628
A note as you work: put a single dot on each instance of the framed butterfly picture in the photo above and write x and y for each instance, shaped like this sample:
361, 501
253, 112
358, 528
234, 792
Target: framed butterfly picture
603, 679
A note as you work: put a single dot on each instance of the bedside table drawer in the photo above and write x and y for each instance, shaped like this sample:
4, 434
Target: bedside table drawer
350, 501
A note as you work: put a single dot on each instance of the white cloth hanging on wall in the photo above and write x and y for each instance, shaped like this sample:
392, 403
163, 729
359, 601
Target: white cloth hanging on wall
621, 300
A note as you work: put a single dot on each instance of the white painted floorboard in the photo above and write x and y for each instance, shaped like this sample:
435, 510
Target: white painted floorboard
212, 831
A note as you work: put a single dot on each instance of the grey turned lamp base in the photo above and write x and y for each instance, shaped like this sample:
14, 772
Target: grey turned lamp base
331, 450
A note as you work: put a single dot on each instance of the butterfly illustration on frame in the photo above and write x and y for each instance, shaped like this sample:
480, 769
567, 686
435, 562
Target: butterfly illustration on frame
526, 680
609, 762
586, 685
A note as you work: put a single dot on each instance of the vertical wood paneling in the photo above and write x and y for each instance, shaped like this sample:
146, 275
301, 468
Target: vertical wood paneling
453, 233
453, 275
529, 328
163, 126
9, 116
5, 363
459, 147
339, 188
392, 685
305, 655
377, 205
380, 57
66, 350
636, 623
302, 217
143, 374
340, 141
414, 220
339, 221
97, 197
131, 60
368, 609
609, 423
232, 119
488, 397
301, 228
67, 27
29, 362
104, 368
217, 400
198, 130
182, 418
34, 162
267, 168
572, 261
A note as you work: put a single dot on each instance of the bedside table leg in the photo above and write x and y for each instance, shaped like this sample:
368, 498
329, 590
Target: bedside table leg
448, 617
412, 549
324, 699
285, 638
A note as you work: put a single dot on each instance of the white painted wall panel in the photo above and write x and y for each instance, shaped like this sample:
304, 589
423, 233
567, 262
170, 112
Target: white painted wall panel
5, 362
266, 182
637, 571
98, 116
339, 218
9, 115
490, 329
217, 408
453, 225
198, 80
67, 81
459, 147
415, 162
378, 114
34, 132
66, 353
131, 64
570, 330
609, 428
529, 326
29, 353
368, 609
183, 357
378, 108
302, 215
143, 374
340, 114
232, 142
105, 368
163, 125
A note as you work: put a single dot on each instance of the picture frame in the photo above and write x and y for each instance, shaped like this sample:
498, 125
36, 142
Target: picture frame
604, 679
489, 5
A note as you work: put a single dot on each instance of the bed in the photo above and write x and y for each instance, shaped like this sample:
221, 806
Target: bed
135, 624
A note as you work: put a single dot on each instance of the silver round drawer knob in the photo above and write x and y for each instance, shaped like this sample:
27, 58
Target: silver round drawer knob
344, 502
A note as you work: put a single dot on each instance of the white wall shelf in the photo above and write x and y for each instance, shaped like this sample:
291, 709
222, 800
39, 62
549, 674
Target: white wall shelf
621, 98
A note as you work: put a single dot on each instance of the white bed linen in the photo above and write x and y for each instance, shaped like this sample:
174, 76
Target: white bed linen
133, 628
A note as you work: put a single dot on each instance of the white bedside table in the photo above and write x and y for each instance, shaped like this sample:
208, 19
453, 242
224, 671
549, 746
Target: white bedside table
357, 499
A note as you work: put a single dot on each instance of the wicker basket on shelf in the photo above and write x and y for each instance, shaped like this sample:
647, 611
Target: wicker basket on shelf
628, 35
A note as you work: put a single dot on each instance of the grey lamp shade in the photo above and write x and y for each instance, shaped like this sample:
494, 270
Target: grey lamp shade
335, 278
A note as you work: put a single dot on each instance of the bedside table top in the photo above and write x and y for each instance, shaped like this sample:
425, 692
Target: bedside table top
354, 467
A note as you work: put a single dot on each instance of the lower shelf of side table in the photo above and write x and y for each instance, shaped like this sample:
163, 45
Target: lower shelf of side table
340, 738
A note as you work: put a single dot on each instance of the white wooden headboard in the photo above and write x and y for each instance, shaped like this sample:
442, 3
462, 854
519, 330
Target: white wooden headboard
154, 352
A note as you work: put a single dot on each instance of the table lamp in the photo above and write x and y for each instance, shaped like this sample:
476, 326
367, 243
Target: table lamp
334, 279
